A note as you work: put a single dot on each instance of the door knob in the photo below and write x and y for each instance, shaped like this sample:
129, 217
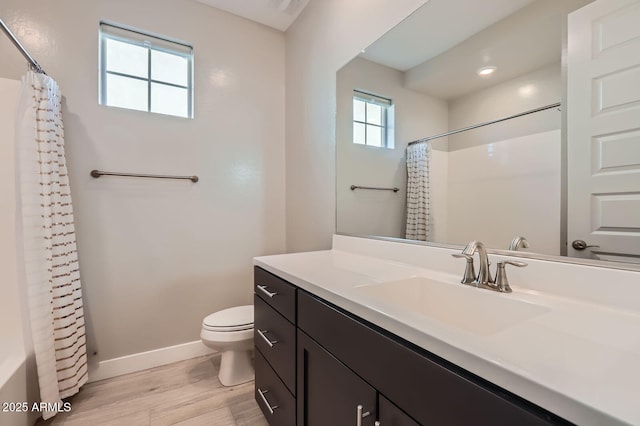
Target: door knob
581, 245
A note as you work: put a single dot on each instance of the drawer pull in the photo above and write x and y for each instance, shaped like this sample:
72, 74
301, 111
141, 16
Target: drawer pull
264, 399
269, 294
361, 415
266, 339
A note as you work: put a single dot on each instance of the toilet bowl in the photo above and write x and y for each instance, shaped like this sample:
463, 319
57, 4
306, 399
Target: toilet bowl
230, 332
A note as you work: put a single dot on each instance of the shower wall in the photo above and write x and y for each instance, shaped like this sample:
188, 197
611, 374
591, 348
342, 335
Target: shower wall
507, 188
157, 256
504, 179
17, 372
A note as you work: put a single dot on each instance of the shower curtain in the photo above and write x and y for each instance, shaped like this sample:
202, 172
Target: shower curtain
48, 245
418, 191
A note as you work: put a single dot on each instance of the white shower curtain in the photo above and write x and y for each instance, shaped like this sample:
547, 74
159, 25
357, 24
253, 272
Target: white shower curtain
418, 220
50, 263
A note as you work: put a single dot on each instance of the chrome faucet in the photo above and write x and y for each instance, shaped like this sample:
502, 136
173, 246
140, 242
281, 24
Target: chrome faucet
483, 279
518, 242
502, 282
484, 274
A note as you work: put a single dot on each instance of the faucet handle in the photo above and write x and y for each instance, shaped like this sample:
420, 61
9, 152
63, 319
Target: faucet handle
518, 242
469, 270
502, 282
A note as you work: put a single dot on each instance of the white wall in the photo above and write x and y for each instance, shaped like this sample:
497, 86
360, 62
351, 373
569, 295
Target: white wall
438, 195
326, 36
416, 115
157, 256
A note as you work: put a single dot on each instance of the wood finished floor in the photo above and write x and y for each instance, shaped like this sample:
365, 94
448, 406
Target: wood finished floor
186, 393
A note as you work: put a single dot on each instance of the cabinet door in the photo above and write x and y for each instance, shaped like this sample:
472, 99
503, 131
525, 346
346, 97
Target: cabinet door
328, 392
390, 415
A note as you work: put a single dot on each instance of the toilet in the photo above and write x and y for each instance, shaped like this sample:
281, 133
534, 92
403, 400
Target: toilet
230, 331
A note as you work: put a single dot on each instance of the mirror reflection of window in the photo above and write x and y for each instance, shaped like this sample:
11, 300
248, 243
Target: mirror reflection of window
372, 120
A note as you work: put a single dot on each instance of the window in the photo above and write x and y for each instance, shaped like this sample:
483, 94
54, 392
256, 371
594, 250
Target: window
373, 118
144, 72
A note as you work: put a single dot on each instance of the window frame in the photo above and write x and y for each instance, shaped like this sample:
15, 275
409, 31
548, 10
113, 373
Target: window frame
387, 105
148, 44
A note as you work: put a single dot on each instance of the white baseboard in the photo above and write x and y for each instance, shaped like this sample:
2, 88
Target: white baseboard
145, 360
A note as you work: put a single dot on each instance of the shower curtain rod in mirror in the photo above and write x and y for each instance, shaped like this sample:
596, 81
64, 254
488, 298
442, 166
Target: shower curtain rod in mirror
33, 64
475, 126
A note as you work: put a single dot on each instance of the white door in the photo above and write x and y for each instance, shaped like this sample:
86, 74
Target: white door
603, 131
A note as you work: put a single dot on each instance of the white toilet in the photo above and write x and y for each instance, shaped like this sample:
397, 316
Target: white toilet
230, 331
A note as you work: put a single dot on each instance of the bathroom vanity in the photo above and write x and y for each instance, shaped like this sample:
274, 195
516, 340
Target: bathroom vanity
346, 336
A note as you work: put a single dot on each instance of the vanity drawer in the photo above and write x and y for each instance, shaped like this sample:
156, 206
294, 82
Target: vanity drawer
272, 396
275, 338
426, 387
276, 292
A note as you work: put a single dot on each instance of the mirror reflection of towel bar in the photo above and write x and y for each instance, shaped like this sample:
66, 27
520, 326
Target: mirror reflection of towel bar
98, 173
354, 187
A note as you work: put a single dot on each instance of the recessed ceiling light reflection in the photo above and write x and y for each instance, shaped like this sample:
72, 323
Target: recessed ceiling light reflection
486, 71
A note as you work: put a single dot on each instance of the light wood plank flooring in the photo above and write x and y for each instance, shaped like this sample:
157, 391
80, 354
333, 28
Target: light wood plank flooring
186, 393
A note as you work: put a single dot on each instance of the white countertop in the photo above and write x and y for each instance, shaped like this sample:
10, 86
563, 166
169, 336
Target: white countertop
580, 359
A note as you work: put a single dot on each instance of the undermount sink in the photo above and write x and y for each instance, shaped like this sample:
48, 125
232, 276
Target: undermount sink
474, 310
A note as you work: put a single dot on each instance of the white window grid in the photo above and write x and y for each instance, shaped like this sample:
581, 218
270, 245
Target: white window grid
148, 79
385, 103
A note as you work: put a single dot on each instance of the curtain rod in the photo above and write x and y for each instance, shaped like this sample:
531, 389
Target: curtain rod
475, 126
33, 64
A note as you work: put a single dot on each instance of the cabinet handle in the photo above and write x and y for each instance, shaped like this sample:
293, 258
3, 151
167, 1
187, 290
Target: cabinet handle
269, 294
361, 415
266, 339
264, 399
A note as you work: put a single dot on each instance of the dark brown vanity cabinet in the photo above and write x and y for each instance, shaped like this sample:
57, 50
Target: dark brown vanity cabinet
390, 415
350, 372
274, 336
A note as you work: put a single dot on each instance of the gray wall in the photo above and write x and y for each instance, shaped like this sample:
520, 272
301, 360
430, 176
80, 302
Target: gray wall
416, 115
158, 256
322, 40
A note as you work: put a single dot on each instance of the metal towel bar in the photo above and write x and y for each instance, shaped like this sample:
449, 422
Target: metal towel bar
98, 173
354, 187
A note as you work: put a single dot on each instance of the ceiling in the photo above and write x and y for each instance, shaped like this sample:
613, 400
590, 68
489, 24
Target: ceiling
278, 14
440, 49
420, 37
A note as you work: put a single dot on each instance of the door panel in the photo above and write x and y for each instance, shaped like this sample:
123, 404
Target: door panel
328, 392
603, 130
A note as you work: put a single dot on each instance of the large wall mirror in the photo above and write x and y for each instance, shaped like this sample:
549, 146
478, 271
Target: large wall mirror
456, 64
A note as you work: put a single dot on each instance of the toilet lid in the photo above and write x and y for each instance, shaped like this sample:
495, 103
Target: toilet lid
232, 319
